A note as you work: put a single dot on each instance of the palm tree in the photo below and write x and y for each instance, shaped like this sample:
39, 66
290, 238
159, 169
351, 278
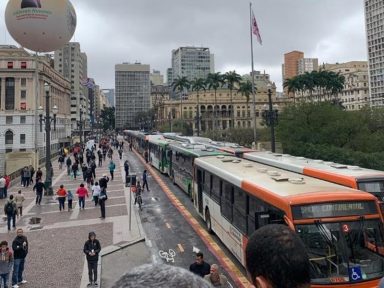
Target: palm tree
232, 78
197, 85
215, 81
180, 84
246, 90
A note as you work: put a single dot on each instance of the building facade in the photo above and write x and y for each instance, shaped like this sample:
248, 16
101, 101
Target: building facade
217, 115
307, 65
72, 64
132, 93
169, 76
110, 94
290, 66
156, 78
22, 78
374, 19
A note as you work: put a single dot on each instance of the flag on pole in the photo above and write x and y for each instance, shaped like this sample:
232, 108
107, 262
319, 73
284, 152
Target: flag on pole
255, 29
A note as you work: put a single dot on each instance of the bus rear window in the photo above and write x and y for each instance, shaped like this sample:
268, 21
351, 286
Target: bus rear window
374, 187
336, 209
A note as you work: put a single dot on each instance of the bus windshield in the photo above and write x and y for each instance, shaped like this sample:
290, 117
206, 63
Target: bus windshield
343, 252
374, 187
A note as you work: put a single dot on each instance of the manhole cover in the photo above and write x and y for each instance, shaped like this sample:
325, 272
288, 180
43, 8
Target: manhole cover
34, 220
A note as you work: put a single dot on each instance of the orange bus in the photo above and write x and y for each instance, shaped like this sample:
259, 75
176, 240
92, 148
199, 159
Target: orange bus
341, 227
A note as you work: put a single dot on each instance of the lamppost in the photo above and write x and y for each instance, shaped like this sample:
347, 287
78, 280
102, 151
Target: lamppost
81, 127
47, 119
270, 116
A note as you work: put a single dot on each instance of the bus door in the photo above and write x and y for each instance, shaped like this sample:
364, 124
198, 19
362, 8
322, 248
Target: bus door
200, 190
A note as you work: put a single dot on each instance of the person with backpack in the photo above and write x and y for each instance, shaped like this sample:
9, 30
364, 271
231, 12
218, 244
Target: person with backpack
6, 263
69, 163
93, 168
61, 195
75, 168
20, 250
39, 188
111, 167
10, 211
84, 169
101, 199
92, 249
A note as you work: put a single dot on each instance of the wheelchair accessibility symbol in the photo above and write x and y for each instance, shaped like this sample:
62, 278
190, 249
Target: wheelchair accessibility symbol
355, 274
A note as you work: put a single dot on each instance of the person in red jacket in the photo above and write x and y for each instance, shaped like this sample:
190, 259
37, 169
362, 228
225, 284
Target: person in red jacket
7, 183
81, 193
61, 195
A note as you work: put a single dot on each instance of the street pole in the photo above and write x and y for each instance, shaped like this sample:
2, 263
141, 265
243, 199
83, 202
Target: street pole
81, 128
272, 120
48, 164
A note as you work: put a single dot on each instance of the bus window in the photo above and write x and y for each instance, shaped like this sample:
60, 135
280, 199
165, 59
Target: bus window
226, 201
374, 187
207, 182
216, 189
240, 210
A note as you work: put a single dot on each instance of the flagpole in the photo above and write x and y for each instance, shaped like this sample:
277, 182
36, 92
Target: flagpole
253, 78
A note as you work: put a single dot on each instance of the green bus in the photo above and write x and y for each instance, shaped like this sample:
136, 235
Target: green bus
160, 156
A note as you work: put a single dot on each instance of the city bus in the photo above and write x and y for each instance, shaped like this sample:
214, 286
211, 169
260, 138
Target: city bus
182, 160
368, 180
231, 148
160, 156
341, 227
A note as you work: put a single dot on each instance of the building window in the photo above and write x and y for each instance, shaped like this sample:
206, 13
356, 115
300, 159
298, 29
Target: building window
9, 93
23, 150
23, 82
10, 65
23, 120
8, 137
23, 65
22, 138
23, 94
8, 119
8, 150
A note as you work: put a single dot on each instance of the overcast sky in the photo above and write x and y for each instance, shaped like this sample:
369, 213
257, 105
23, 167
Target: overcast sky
116, 31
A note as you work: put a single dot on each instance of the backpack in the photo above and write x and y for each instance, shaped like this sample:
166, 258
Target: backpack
9, 208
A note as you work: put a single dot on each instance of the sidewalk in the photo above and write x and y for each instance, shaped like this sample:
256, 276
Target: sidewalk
56, 258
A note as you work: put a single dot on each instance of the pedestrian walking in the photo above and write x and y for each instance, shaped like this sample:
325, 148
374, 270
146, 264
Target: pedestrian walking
7, 184
69, 164
39, 174
32, 169
96, 193
19, 199
111, 167
103, 182
61, 161
126, 168
215, 278
100, 156
92, 249
145, 180
104, 153
70, 199
75, 168
93, 168
81, 158
10, 211
81, 193
120, 151
39, 188
20, 250
146, 156
27, 176
6, 263
61, 195
89, 177
84, 168
2, 187
102, 198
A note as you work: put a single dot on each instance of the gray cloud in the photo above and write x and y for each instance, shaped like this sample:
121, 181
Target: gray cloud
114, 31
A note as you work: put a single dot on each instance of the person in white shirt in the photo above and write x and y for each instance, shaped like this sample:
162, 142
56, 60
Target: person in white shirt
96, 192
2, 187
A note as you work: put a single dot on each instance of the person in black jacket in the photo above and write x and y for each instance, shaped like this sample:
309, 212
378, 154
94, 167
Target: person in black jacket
103, 182
20, 251
92, 249
200, 267
39, 188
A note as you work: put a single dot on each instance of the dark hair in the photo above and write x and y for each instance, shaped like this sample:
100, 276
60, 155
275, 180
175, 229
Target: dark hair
19, 191
61, 186
96, 183
278, 254
81, 185
199, 254
11, 196
3, 243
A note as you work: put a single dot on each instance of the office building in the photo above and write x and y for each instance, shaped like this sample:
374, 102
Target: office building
110, 94
72, 63
374, 19
307, 65
22, 79
156, 78
290, 66
169, 76
132, 93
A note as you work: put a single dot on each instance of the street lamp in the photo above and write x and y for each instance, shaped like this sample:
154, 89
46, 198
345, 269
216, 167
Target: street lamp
270, 116
81, 127
47, 119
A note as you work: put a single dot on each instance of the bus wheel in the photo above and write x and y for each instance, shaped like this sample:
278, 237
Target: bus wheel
208, 222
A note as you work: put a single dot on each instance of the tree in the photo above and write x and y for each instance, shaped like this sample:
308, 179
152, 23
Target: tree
232, 78
180, 84
198, 85
215, 81
107, 117
246, 90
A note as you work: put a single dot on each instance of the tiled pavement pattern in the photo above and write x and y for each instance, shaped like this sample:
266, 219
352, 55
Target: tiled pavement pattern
56, 258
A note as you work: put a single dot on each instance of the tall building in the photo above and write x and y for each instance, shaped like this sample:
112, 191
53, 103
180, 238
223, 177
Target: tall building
192, 62
307, 65
156, 78
110, 94
374, 18
72, 63
22, 79
133, 92
169, 76
290, 66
